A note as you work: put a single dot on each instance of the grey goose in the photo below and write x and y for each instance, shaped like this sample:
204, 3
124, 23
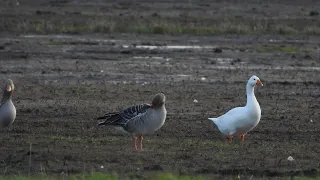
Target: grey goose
139, 120
7, 109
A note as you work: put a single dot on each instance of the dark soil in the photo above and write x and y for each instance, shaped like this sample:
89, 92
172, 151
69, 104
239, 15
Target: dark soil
64, 82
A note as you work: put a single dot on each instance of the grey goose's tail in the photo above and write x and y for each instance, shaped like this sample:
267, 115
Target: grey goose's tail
110, 119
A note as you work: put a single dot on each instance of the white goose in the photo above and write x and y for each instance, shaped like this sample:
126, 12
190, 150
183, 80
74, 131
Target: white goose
240, 120
139, 120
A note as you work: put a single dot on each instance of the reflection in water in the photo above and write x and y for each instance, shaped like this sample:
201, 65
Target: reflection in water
169, 47
152, 57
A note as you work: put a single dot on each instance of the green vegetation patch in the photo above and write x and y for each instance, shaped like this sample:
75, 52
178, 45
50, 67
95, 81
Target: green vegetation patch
290, 49
102, 176
159, 176
198, 26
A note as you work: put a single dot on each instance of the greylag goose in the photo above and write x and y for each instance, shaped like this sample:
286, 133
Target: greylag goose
140, 119
7, 109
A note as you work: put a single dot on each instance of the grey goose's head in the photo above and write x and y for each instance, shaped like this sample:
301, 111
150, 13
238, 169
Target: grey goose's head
158, 100
8, 90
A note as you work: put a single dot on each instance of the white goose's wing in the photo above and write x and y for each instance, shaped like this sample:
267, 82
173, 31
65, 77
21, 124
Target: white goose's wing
234, 113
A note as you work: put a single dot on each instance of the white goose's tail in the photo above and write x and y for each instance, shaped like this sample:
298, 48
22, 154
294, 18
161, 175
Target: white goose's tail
214, 120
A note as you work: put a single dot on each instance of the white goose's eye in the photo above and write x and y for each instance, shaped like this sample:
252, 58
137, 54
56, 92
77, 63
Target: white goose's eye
254, 78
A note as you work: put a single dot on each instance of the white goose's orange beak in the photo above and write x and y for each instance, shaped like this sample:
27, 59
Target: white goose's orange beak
259, 83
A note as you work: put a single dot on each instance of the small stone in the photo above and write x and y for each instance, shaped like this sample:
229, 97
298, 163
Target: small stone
314, 13
195, 101
307, 56
217, 50
290, 158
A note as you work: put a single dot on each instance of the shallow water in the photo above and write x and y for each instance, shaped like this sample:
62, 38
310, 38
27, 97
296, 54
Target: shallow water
173, 47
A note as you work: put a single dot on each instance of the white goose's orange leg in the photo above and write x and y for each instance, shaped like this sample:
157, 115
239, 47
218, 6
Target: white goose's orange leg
242, 138
230, 139
134, 147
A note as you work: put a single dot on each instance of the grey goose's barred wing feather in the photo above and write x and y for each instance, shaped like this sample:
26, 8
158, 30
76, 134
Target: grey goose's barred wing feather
123, 117
133, 111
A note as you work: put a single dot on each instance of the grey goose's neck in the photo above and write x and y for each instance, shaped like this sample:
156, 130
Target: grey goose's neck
159, 108
7, 96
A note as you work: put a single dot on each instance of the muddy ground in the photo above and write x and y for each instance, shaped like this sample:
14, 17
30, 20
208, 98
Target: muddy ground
63, 82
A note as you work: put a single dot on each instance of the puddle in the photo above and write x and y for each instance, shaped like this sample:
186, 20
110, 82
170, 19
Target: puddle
223, 60
92, 39
47, 36
287, 41
297, 68
183, 75
121, 44
152, 57
257, 67
226, 61
74, 38
177, 47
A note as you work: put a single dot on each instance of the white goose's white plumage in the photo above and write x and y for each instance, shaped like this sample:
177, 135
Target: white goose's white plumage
240, 120
140, 119
7, 109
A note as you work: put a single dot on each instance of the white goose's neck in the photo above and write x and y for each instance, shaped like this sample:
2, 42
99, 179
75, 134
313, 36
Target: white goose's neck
251, 98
